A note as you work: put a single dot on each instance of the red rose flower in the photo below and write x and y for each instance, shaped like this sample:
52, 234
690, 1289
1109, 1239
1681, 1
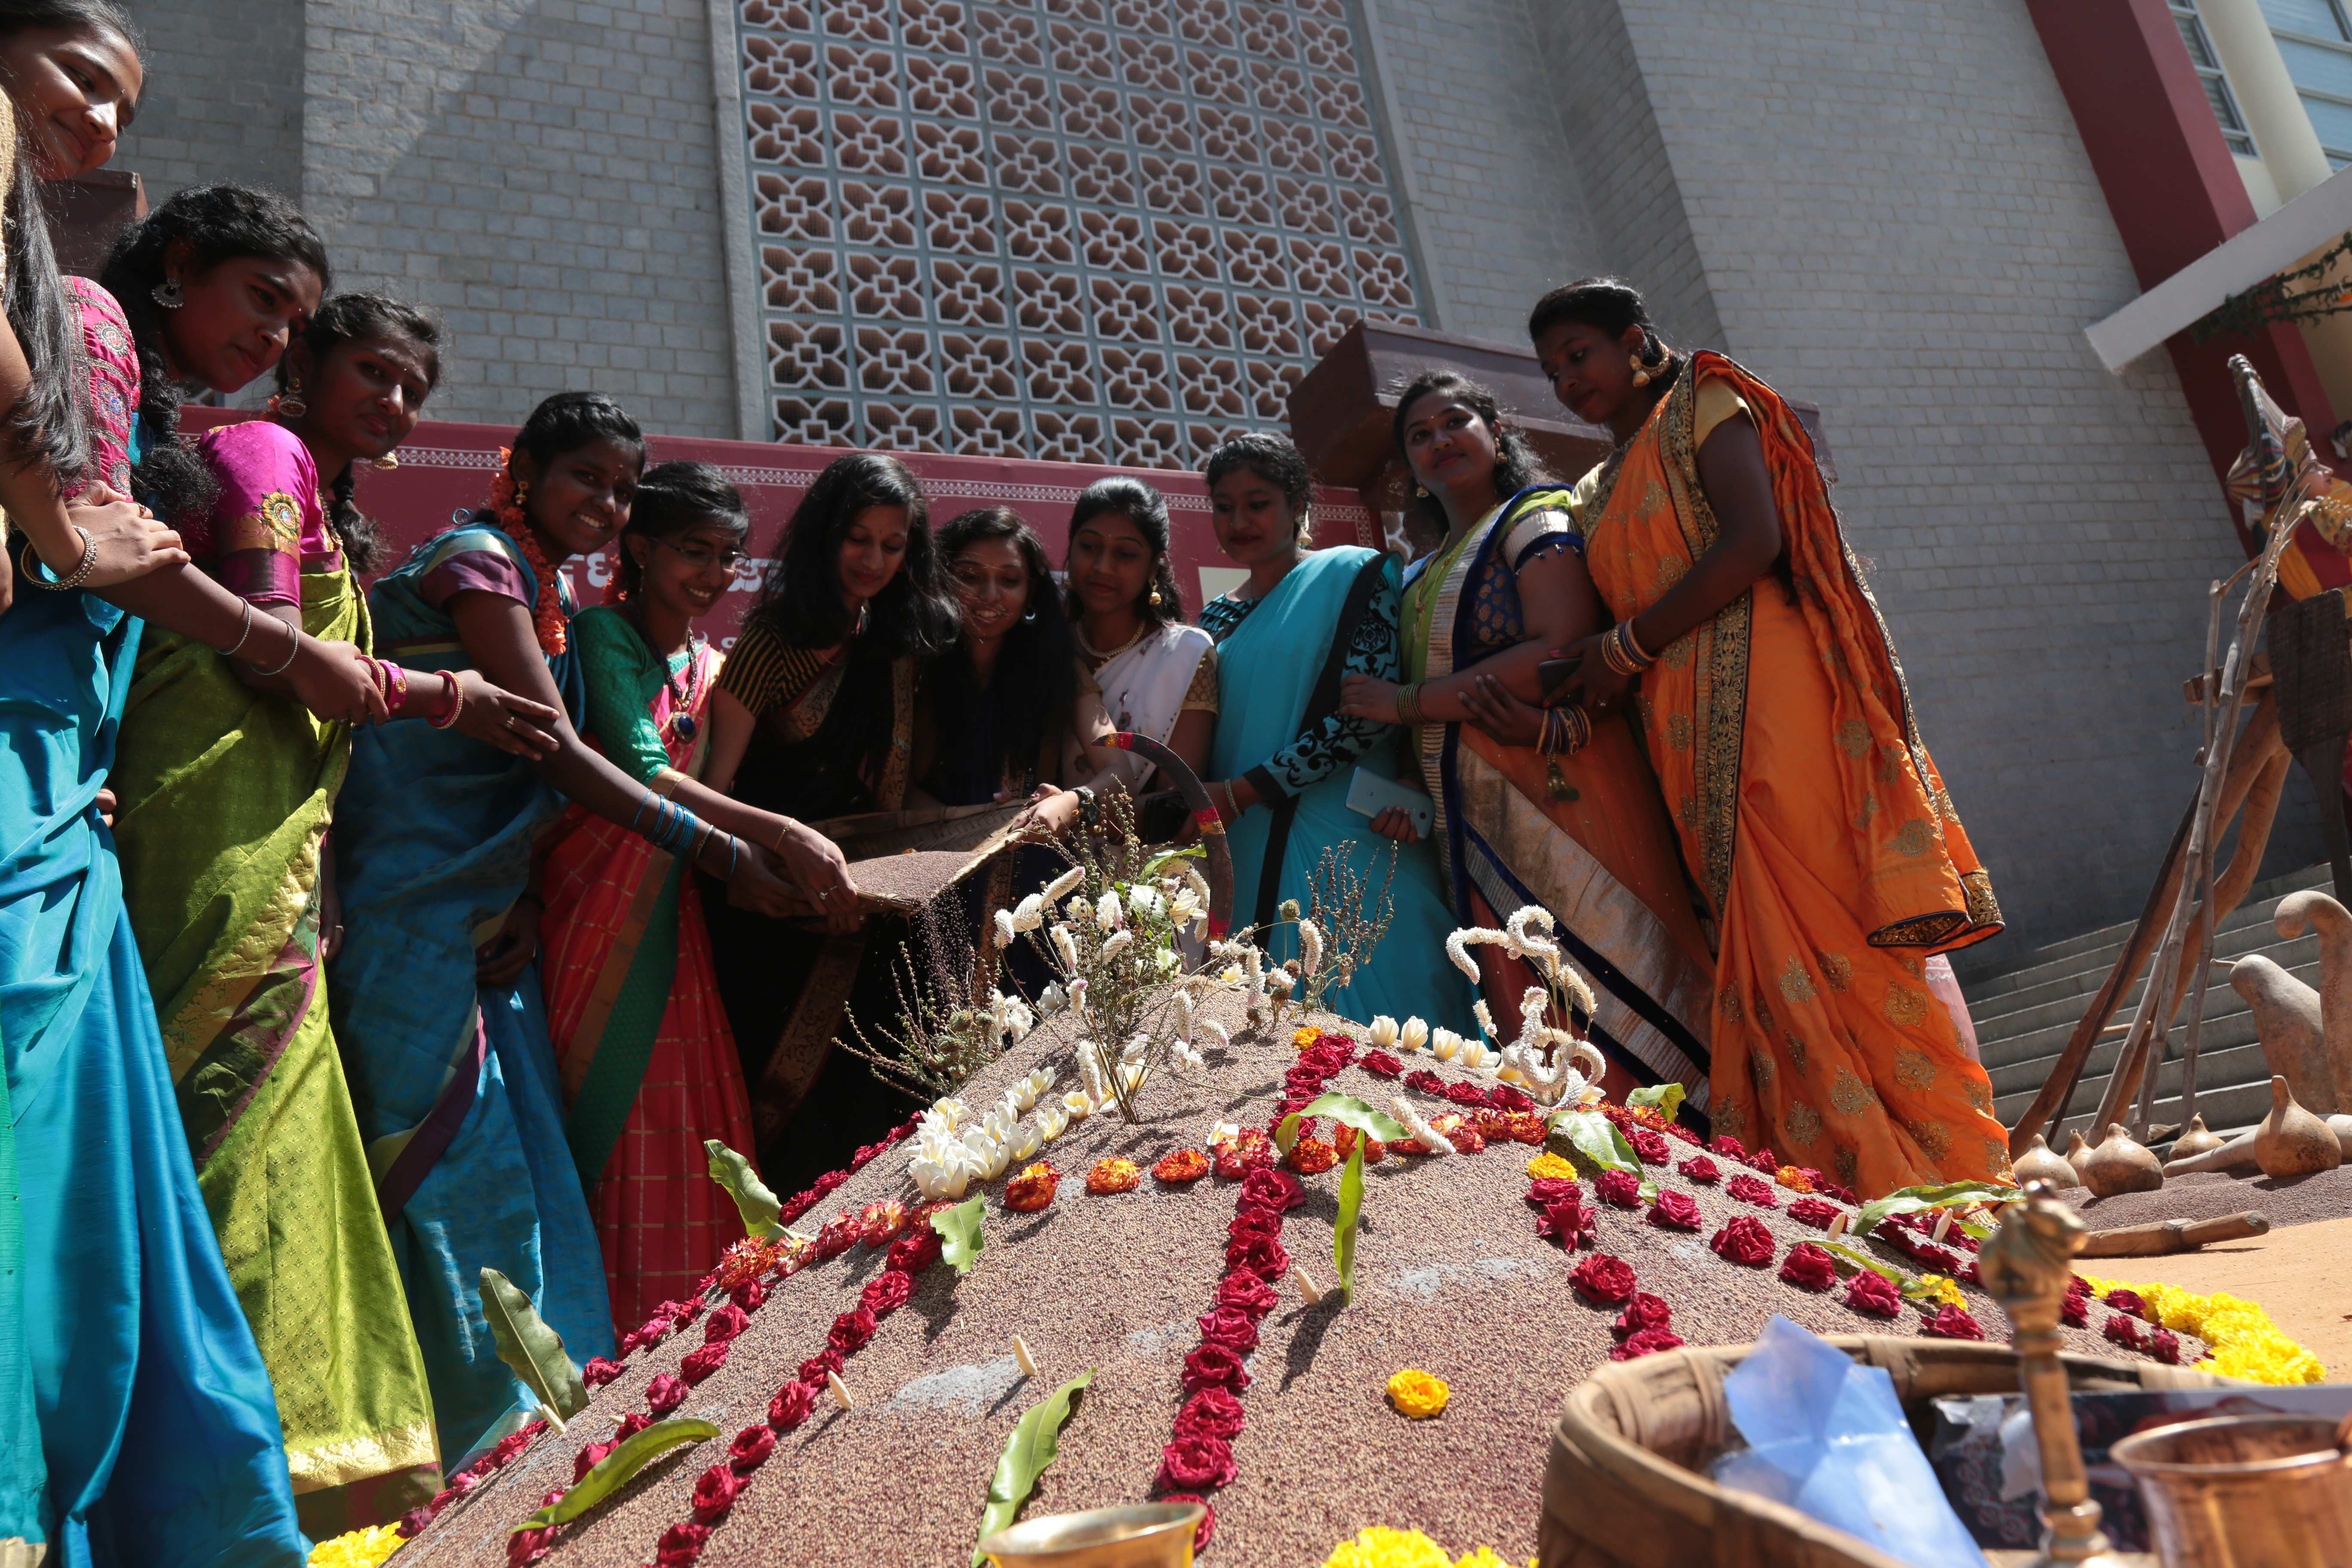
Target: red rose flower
1461, 1131
1674, 1211
414, 1520
1424, 1082
1380, 1064
1809, 1267
1248, 1293
1271, 1189
1503, 1097
1700, 1169
791, 1404
724, 1324
1603, 1278
2165, 1346
1648, 1146
1644, 1312
714, 1494
915, 1251
1622, 1189
1567, 1222
1952, 1322
600, 1370
1312, 1157
1814, 1212
1745, 1241
1260, 1254
1730, 1147
589, 1457
1466, 1094
679, 1313
1303, 1080
665, 1394
751, 1295
1752, 1190
887, 1292
1249, 1220
2123, 1301
1230, 1327
1207, 1528
2125, 1331
1252, 1150
1214, 1366
680, 1544
1545, 1191
851, 1330
1197, 1464
1648, 1342
813, 1370
2075, 1311
750, 1449
1873, 1292
631, 1425
528, 1546
837, 1236
700, 1363
824, 1186
1211, 1412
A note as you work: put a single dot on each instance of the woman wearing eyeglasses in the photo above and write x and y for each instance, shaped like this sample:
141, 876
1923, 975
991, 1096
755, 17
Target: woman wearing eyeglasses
641, 1038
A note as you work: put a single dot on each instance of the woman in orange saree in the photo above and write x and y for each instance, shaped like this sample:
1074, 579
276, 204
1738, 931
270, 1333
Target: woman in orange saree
648, 1064
1779, 725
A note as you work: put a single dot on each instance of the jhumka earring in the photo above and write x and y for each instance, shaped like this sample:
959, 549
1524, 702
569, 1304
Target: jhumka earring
522, 492
168, 294
1155, 598
1421, 490
288, 404
1640, 372
386, 463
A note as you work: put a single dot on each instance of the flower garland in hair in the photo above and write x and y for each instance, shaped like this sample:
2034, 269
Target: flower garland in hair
505, 505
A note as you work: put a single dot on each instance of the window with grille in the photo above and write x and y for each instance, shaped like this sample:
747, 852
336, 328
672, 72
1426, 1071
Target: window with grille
2209, 72
2314, 38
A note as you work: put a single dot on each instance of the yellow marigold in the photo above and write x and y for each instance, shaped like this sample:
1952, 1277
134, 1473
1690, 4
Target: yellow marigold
359, 1549
1484, 1558
1380, 1547
1305, 1035
1418, 1394
1550, 1167
1940, 1289
1795, 1180
2244, 1342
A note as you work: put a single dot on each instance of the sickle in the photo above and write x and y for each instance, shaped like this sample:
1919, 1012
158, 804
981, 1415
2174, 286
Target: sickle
1213, 827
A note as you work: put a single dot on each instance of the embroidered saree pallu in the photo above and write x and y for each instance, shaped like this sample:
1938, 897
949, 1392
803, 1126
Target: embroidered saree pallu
1809, 814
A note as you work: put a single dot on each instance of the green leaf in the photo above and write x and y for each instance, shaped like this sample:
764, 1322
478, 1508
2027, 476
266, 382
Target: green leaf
1347, 1111
617, 1470
1862, 1259
753, 1201
1666, 1097
959, 1234
1156, 867
1911, 1200
1647, 1192
1591, 1134
1343, 1230
1033, 1446
534, 1350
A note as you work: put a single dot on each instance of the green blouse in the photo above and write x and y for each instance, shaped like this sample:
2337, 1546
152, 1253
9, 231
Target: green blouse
623, 679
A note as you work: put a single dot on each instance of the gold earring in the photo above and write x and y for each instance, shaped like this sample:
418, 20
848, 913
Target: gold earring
386, 463
1640, 372
522, 491
1421, 490
1155, 598
288, 404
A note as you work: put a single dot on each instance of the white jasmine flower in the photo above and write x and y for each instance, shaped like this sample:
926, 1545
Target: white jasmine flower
1412, 1037
1064, 883
1000, 1159
1130, 1074
1185, 910
1231, 974
1384, 1033
1476, 1056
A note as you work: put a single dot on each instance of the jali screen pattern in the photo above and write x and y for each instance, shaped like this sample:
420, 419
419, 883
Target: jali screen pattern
1083, 230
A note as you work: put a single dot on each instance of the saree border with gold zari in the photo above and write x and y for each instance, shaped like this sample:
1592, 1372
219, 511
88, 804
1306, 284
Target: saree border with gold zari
226, 793
1812, 817
1605, 866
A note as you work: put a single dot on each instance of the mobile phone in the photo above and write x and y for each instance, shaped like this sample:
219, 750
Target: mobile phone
1368, 795
1553, 675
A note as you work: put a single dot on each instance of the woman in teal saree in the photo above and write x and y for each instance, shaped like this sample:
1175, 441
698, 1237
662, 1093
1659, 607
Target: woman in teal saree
1283, 759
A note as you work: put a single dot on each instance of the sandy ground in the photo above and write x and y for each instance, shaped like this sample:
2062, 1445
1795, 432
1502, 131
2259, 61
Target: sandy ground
2301, 1275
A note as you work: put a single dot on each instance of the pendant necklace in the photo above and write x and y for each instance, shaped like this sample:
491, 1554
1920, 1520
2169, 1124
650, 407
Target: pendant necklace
681, 698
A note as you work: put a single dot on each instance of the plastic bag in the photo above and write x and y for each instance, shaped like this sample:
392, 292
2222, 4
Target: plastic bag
1827, 1436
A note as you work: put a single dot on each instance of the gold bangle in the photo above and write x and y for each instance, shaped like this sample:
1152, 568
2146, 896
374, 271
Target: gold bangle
1408, 704
1634, 644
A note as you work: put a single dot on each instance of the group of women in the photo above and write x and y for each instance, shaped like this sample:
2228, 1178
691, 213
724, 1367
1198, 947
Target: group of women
352, 942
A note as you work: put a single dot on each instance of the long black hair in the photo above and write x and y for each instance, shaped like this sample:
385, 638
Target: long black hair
800, 603
219, 223
354, 317
1147, 509
672, 498
1516, 465
1036, 676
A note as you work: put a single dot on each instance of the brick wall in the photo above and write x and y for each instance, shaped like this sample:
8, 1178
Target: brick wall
223, 97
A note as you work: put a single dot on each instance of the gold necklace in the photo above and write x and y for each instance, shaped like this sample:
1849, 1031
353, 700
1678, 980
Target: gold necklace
1101, 657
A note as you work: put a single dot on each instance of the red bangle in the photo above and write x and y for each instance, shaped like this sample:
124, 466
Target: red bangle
457, 700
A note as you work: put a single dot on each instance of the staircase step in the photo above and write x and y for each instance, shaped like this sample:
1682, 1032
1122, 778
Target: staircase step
2055, 1001
2224, 1107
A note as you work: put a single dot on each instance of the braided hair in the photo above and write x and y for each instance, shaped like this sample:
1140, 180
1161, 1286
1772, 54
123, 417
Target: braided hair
354, 317
1131, 499
1516, 464
1608, 305
671, 498
219, 223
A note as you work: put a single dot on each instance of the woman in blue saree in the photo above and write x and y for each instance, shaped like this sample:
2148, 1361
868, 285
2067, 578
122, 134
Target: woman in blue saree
435, 992
1284, 759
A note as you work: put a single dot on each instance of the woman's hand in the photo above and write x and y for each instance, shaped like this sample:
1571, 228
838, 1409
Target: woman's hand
1051, 812
1368, 697
132, 541
1493, 708
497, 717
755, 885
105, 804
1599, 690
332, 679
1395, 822
819, 873
501, 963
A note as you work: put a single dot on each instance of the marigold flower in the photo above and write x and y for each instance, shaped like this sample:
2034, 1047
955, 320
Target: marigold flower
1621, 1189
1344, 1140
887, 1292
1252, 1151
1809, 1267
881, 1221
1272, 1189
1033, 1189
790, 1406
1112, 1174
1312, 1157
1643, 1312
1794, 1179
1378, 1546
1745, 1241
1873, 1292
746, 1259
1754, 1190
1526, 1126
714, 1493
1417, 1393
1305, 1035
700, 1363
1211, 1412
1952, 1322
1941, 1289
1460, 1131
361, 1548
1674, 1211
1182, 1165
1214, 1366
1549, 1167
1603, 1278
1197, 1464
665, 1394
1646, 1342
750, 1449
1230, 1327
1700, 1169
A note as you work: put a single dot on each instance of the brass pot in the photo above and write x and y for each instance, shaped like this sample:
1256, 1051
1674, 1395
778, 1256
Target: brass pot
1141, 1535
2262, 1491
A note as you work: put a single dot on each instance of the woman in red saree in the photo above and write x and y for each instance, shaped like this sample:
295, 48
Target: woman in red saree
1779, 725
648, 1064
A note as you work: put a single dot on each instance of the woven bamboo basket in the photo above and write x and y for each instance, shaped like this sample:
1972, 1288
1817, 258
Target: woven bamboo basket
1626, 1485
